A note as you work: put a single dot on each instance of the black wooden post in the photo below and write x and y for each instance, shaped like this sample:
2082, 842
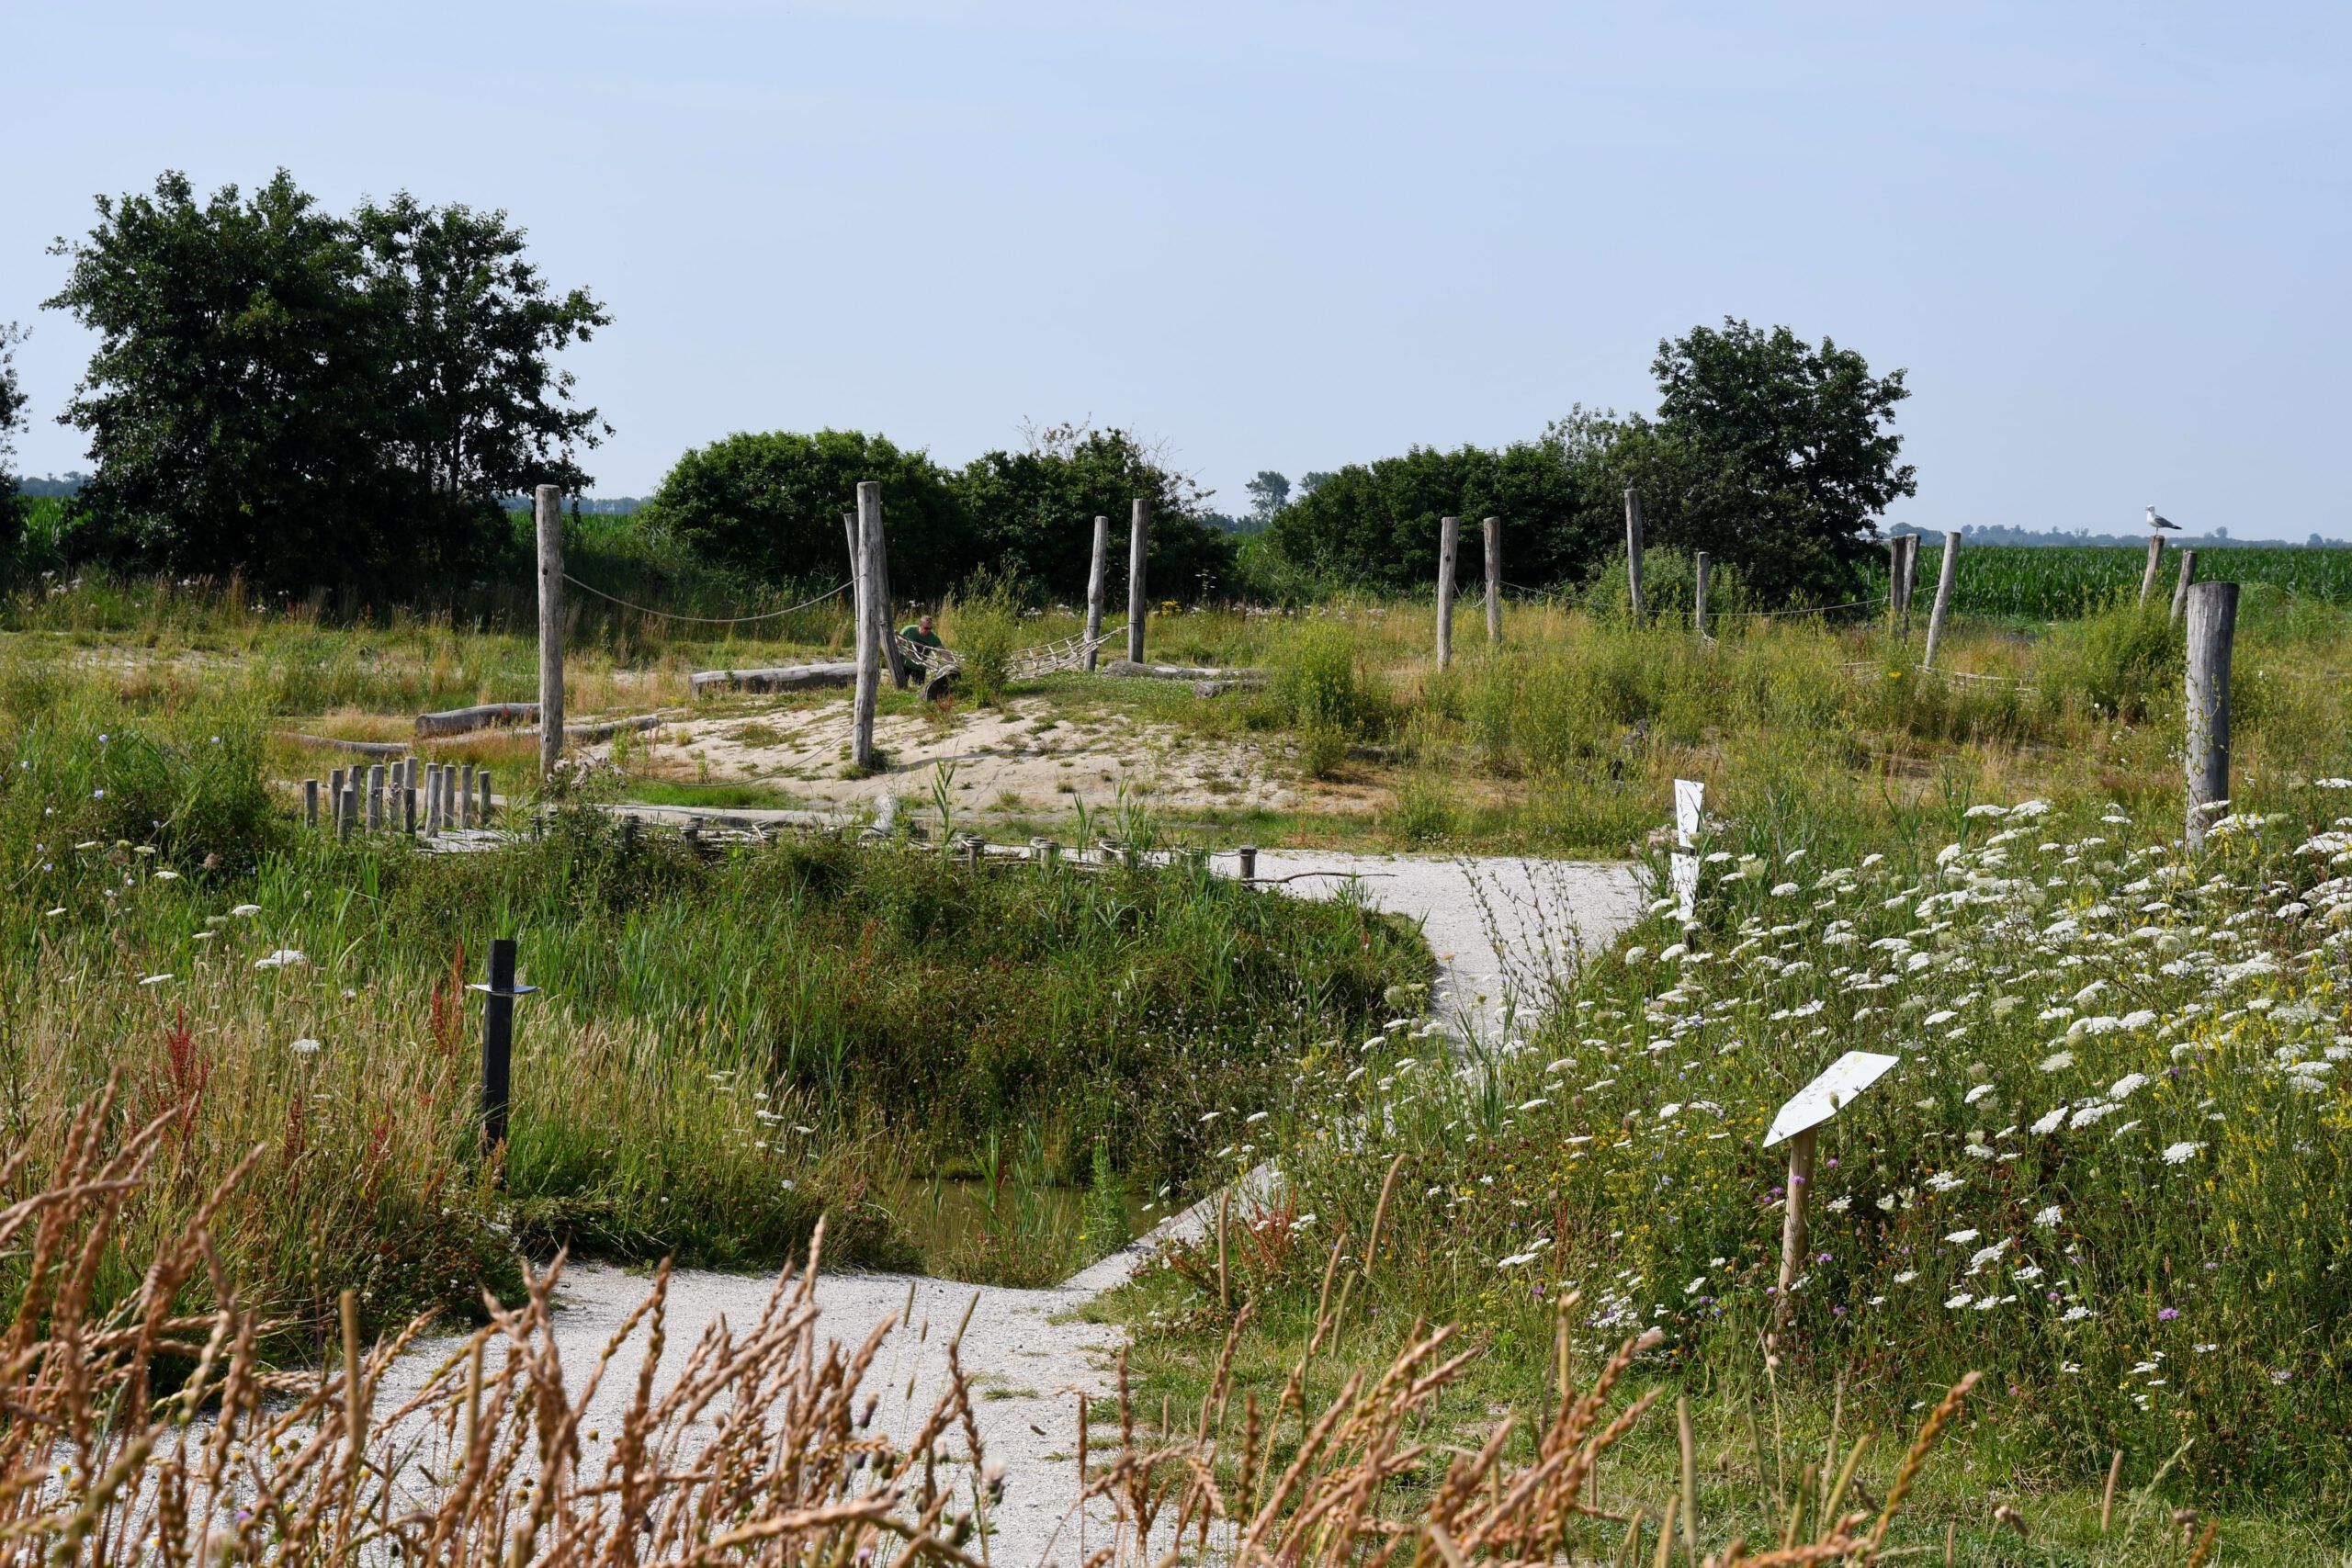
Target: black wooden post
498, 1042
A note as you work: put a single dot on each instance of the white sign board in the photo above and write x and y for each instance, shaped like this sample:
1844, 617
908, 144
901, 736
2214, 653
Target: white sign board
1684, 872
1690, 805
1823, 1097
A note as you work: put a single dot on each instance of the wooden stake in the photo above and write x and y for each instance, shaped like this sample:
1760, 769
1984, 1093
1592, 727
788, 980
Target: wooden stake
1633, 551
547, 504
2188, 577
1139, 552
1097, 583
884, 614
1792, 1224
1449, 547
1945, 576
481, 812
310, 802
2148, 574
1690, 1477
375, 798
1701, 565
1910, 577
2212, 626
869, 650
1493, 540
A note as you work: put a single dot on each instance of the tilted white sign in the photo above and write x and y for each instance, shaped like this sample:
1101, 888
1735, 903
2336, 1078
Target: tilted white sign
1823, 1097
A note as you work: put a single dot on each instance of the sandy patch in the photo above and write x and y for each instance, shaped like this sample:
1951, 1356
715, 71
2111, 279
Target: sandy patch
1023, 757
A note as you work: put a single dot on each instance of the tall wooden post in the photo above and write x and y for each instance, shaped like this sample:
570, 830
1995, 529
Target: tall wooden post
869, 648
1449, 548
1138, 551
883, 606
1945, 576
1793, 1224
2188, 576
1493, 540
1702, 567
1910, 577
1097, 583
548, 504
2212, 626
2148, 574
1634, 550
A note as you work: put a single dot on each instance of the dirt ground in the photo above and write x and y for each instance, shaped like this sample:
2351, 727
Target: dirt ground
1023, 757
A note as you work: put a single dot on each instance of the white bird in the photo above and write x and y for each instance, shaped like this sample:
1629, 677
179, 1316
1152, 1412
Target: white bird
2156, 522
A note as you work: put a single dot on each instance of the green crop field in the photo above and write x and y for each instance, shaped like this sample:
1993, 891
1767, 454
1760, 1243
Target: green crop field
2050, 582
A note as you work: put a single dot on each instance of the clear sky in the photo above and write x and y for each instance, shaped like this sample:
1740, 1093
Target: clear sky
2109, 242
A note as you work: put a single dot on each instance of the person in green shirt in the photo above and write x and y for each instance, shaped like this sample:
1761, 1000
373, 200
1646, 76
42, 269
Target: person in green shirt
921, 634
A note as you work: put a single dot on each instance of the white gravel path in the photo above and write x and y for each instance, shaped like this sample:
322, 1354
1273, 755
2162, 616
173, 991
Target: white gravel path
1498, 926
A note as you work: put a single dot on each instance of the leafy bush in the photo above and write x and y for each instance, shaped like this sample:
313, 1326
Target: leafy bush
2124, 662
985, 621
1320, 689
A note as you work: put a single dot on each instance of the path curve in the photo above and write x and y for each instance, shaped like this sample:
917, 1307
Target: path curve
1497, 925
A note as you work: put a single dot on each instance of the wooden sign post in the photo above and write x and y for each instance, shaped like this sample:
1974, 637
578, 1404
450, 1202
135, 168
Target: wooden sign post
1796, 1124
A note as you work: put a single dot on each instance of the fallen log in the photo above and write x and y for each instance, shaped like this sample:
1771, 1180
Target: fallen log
602, 729
462, 721
1237, 676
778, 678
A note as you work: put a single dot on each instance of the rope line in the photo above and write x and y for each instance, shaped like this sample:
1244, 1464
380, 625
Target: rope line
704, 620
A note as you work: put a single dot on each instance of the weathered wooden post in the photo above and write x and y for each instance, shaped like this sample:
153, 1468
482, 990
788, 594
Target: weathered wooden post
2212, 626
375, 798
1910, 577
869, 651
548, 504
1493, 540
1249, 857
2188, 576
1634, 550
334, 794
1097, 584
481, 814
1795, 1123
408, 802
884, 606
348, 814
2148, 574
1449, 547
466, 797
1138, 550
1701, 564
1947, 575
310, 802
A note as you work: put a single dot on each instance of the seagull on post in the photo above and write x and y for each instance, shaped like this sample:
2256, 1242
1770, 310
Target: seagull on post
2155, 523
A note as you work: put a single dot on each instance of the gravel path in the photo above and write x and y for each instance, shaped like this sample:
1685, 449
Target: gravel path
1498, 926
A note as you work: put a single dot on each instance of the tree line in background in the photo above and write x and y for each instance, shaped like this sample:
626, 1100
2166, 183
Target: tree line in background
311, 399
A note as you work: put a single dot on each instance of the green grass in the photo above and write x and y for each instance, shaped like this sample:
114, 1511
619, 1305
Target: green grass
723, 1047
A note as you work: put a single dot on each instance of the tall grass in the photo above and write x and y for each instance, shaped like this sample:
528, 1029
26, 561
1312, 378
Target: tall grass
722, 1047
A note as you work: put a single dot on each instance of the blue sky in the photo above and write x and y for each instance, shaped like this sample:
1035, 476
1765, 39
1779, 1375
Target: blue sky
2108, 242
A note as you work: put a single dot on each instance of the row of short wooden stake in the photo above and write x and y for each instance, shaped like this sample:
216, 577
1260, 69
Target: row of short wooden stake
402, 796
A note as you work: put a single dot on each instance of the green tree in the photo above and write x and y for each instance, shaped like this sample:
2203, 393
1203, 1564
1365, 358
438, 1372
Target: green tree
1269, 493
1772, 452
476, 407
770, 504
304, 397
231, 399
1034, 512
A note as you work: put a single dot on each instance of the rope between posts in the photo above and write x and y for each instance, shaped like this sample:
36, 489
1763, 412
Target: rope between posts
705, 620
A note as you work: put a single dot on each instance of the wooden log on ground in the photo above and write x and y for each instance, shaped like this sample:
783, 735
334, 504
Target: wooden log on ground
464, 721
778, 678
1238, 675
